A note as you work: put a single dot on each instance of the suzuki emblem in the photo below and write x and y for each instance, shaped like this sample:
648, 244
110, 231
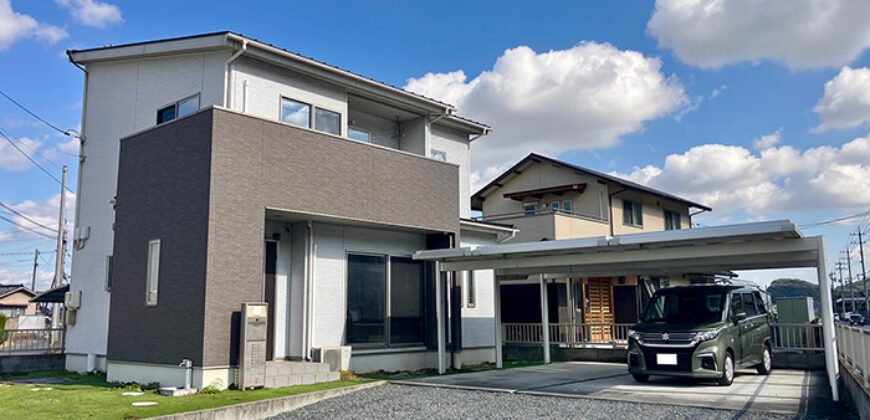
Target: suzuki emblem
666, 337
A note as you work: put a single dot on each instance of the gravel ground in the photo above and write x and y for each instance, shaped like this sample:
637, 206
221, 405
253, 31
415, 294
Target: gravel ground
403, 401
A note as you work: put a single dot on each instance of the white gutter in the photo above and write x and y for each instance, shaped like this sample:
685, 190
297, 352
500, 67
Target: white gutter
76, 242
227, 76
308, 291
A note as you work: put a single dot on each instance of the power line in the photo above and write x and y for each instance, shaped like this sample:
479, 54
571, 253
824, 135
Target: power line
829, 221
33, 114
2, 134
26, 228
7, 207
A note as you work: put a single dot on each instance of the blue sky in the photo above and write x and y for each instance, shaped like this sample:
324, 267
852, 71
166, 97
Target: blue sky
691, 85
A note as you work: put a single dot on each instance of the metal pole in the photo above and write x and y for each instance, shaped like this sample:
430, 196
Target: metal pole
828, 332
35, 265
842, 285
58, 268
545, 320
863, 271
851, 280
498, 328
439, 313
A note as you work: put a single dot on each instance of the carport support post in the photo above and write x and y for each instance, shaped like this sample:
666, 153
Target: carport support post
439, 317
498, 328
545, 319
827, 320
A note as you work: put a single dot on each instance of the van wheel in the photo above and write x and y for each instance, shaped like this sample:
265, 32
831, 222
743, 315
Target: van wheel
766, 364
641, 378
727, 370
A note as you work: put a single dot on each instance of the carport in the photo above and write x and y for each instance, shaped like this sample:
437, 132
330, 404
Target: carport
750, 246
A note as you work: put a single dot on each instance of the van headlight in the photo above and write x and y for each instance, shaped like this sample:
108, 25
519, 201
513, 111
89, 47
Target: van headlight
706, 335
634, 334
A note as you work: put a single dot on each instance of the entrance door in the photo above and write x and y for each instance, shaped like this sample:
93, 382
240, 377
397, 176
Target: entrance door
599, 309
269, 277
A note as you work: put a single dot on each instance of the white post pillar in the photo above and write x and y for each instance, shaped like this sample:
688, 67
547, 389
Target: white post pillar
439, 317
828, 332
496, 291
545, 319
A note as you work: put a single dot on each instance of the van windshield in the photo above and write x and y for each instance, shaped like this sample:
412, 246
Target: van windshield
686, 307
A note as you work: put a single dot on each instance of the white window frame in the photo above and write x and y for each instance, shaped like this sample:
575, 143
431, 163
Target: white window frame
310, 106
152, 278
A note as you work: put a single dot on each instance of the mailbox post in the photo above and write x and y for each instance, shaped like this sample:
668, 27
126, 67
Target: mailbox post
252, 349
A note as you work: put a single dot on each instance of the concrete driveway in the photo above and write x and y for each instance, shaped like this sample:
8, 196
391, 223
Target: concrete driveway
793, 392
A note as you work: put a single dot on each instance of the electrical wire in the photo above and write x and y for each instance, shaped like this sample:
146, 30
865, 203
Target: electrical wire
24, 227
8, 207
2, 134
56, 128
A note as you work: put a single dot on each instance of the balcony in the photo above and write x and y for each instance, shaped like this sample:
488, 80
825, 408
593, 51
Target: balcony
540, 224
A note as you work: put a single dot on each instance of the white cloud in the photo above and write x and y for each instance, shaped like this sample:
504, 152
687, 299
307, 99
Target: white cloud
15, 26
846, 102
776, 179
43, 277
798, 33
580, 98
767, 141
93, 13
717, 91
13, 160
43, 212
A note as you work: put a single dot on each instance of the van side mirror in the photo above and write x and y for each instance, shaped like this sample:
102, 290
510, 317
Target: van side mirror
740, 316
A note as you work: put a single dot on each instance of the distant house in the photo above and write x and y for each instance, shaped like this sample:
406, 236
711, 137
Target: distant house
15, 300
547, 199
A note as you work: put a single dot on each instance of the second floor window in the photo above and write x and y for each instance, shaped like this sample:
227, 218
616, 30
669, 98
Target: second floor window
360, 135
296, 113
179, 109
530, 209
327, 121
567, 206
555, 206
632, 213
672, 220
438, 155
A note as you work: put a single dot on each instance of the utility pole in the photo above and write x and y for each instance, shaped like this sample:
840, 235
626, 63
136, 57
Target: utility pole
851, 286
61, 251
35, 264
842, 285
863, 270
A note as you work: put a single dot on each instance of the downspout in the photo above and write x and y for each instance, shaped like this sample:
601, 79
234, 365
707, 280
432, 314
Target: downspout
76, 245
227, 76
309, 287
691, 215
483, 133
610, 207
305, 275
512, 235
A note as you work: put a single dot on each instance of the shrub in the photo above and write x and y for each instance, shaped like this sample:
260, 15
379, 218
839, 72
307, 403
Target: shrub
3, 333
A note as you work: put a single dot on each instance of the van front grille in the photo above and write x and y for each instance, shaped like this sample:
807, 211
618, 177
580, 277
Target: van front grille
674, 339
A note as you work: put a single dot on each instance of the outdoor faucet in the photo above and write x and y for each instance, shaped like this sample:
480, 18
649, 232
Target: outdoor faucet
187, 364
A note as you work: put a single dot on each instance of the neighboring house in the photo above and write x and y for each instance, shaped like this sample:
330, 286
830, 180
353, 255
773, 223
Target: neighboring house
218, 170
15, 301
547, 199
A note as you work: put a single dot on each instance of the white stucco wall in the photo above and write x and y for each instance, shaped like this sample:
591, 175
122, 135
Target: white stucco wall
478, 323
122, 98
455, 145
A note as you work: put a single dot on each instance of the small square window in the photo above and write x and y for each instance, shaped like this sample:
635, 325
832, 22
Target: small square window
567, 206
438, 155
530, 209
327, 121
296, 113
166, 114
181, 108
360, 135
555, 206
188, 106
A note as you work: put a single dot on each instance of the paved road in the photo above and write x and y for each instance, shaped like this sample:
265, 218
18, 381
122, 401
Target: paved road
394, 401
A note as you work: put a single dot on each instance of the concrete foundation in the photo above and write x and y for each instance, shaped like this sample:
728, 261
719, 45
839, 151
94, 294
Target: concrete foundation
852, 392
29, 363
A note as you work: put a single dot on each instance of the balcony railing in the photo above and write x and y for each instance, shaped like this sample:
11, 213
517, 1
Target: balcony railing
783, 336
853, 344
541, 212
35, 341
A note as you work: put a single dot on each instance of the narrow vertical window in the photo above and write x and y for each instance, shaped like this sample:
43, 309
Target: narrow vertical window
567, 206
366, 298
471, 291
109, 262
406, 301
632, 213
672, 220
153, 274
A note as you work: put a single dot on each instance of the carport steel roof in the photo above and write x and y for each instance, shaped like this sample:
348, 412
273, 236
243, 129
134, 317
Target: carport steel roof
760, 245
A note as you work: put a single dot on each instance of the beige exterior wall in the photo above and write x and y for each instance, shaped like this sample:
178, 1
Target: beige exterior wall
19, 299
532, 228
653, 213
567, 227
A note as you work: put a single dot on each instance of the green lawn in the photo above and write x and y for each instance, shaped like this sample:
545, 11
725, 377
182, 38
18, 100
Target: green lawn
402, 375
89, 396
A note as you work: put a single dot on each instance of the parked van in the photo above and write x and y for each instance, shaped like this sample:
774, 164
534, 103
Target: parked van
704, 331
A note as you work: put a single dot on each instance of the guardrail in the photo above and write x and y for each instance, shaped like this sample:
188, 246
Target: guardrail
783, 336
852, 344
32, 341
567, 333
797, 336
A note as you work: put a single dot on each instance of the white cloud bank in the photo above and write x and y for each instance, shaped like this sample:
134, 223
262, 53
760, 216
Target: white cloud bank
846, 102
580, 98
776, 179
16, 26
798, 33
93, 13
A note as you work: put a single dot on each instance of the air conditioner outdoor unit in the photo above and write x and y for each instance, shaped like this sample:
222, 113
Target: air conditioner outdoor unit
338, 358
72, 300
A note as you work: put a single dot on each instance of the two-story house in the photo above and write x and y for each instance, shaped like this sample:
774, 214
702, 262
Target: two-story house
218, 170
547, 199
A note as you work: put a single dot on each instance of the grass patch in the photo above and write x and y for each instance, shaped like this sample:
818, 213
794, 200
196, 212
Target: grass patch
90, 396
422, 373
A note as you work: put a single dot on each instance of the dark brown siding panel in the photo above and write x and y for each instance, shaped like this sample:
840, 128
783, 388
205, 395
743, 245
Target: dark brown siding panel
163, 193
